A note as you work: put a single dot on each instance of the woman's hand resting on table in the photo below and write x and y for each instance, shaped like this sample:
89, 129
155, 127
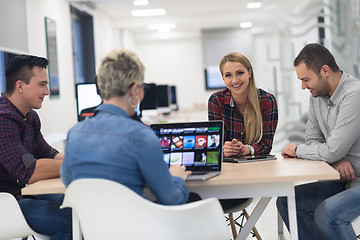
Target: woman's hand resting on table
235, 147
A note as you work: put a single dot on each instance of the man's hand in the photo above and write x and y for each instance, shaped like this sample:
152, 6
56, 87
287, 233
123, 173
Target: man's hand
289, 150
345, 169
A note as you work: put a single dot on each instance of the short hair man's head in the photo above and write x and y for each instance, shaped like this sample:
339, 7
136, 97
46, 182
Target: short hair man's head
315, 56
119, 70
21, 68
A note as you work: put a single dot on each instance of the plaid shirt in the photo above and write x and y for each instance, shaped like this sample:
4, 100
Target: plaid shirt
219, 108
21, 143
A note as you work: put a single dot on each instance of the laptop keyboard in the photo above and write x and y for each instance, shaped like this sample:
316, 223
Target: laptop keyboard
199, 173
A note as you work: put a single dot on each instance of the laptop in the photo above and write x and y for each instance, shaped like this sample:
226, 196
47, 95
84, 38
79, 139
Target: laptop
196, 145
249, 158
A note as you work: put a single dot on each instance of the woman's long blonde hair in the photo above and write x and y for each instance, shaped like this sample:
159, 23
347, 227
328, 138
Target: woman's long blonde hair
252, 114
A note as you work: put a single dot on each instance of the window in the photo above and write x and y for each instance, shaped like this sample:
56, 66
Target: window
83, 46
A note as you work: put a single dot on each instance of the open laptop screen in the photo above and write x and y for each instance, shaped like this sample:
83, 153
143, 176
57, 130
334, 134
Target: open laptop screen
196, 145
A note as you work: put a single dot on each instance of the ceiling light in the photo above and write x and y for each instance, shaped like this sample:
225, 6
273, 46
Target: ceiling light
140, 2
254, 5
246, 24
164, 30
148, 12
166, 27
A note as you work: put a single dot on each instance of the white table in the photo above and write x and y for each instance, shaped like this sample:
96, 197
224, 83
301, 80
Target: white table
265, 179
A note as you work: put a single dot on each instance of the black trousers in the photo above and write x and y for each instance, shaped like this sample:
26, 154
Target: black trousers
230, 203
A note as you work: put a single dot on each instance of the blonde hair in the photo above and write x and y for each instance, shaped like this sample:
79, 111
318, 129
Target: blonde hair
252, 115
118, 71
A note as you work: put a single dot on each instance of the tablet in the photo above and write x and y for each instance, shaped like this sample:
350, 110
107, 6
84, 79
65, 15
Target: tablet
249, 158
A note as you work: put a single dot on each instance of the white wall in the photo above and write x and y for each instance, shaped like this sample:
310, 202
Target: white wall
177, 62
105, 37
216, 43
13, 32
57, 114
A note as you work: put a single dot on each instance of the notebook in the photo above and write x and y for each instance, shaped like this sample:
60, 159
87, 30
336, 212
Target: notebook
249, 158
196, 145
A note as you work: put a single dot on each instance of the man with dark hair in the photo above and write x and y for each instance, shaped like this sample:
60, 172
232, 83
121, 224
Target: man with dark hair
326, 209
25, 156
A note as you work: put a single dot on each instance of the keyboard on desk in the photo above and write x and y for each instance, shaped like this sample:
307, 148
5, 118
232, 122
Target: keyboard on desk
199, 173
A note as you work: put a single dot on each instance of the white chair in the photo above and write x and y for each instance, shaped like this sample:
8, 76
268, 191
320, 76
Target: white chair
12, 221
109, 210
233, 222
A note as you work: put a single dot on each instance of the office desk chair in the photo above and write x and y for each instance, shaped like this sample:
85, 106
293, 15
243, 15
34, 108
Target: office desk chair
109, 210
233, 222
12, 221
355, 220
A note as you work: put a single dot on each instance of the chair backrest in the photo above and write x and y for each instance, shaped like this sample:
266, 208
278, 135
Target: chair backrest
12, 221
109, 210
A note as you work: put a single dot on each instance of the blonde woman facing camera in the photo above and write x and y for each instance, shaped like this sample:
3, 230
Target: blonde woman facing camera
113, 146
250, 115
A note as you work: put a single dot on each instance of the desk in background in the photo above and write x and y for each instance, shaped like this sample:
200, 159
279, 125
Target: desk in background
264, 179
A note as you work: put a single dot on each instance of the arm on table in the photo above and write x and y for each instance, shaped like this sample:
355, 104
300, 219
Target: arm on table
46, 168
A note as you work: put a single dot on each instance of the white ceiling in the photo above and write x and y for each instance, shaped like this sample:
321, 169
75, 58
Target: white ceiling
193, 15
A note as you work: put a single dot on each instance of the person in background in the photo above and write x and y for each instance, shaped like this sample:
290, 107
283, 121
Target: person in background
25, 156
326, 209
250, 115
110, 145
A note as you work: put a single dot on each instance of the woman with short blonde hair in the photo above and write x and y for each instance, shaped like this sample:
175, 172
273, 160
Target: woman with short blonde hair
118, 70
111, 145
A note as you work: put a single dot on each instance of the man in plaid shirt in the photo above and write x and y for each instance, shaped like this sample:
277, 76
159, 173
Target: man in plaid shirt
25, 156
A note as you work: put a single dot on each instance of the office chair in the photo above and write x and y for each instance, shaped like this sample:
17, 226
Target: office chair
355, 220
233, 222
12, 221
109, 210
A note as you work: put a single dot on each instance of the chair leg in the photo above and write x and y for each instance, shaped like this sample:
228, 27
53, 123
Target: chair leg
232, 224
256, 233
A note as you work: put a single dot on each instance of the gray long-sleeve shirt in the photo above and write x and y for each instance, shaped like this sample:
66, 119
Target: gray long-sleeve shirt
333, 127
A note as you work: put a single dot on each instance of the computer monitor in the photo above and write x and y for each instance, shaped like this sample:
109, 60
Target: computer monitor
150, 101
174, 106
86, 98
213, 78
164, 98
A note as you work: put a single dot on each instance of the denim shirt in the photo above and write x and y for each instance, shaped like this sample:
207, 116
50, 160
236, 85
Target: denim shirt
112, 146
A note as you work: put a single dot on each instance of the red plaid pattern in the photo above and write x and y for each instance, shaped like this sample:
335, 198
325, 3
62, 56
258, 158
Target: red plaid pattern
219, 109
19, 135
